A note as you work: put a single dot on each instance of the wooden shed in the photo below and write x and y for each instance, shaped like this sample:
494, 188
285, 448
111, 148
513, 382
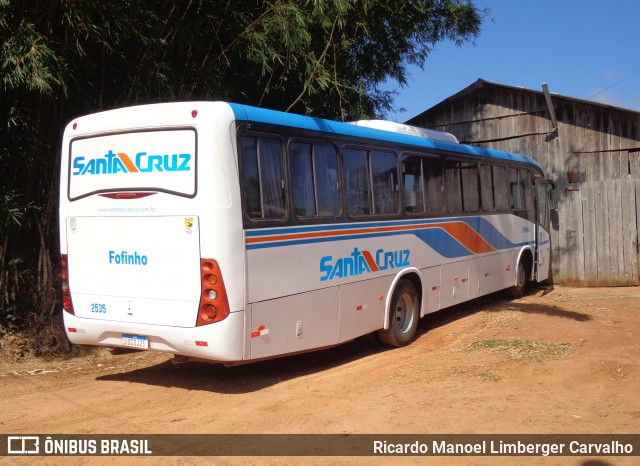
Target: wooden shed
592, 153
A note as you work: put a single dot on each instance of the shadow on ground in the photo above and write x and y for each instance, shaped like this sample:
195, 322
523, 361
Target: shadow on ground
256, 376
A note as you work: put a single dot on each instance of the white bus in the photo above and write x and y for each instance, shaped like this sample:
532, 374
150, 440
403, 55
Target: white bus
229, 233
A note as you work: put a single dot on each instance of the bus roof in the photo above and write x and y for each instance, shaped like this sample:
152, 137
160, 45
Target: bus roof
261, 115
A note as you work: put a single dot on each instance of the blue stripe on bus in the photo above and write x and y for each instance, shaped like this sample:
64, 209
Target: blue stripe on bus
490, 233
259, 232
438, 239
441, 241
262, 115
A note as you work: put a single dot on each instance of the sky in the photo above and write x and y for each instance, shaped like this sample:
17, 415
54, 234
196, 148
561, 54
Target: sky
586, 49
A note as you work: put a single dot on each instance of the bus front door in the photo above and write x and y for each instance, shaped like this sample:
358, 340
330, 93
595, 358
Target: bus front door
543, 238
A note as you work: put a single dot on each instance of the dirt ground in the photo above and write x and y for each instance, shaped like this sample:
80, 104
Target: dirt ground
565, 361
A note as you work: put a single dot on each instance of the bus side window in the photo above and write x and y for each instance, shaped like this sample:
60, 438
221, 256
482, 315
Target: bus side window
525, 177
357, 182
521, 193
412, 185
454, 187
469, 183
304, 204
371, 182
500, 190
325, 160
516, 190
314, 176
423, 184
434, 185
384, 174
462, 186
251, 178
263, 178
486, 188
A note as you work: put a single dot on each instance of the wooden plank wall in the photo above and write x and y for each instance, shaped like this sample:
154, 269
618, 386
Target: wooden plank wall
594, 159
602, 233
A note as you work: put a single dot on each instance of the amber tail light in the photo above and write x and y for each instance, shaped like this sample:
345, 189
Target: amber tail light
214, 305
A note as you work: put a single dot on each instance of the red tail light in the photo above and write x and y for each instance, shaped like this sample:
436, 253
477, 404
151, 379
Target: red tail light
214, 305
67, 303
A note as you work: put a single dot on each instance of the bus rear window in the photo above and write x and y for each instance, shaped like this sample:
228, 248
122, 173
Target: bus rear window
163, 160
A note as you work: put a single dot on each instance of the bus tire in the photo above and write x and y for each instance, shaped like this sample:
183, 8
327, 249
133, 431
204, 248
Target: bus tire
518, 290
404, 314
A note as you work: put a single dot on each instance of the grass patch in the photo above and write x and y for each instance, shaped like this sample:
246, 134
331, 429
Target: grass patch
522, 349
488, 375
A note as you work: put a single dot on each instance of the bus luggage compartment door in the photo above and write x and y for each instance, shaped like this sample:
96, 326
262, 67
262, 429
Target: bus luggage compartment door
294, 323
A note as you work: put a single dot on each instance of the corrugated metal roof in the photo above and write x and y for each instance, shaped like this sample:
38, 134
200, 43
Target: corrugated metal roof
480, 83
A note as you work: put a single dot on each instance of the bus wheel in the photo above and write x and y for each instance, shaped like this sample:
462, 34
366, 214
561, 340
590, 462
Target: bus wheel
403, 316
517, 291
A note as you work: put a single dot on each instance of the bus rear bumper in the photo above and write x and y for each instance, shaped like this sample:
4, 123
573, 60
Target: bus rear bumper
221, 341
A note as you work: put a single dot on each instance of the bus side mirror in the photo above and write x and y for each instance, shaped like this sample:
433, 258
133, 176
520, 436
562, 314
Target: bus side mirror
553, 206
553, 195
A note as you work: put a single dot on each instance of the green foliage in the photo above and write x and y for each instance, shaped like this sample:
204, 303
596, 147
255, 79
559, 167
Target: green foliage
13, 210
27, 61
329, 58
63, 58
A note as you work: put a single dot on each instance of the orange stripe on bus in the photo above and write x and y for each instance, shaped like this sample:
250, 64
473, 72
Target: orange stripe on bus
372, 264
462, 232
467, 236
131, 167
320, 234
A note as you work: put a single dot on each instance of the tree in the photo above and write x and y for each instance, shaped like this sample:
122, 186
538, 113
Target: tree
322, 57
64, 58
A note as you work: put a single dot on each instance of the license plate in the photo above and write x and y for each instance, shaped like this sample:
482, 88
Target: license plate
135, 341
